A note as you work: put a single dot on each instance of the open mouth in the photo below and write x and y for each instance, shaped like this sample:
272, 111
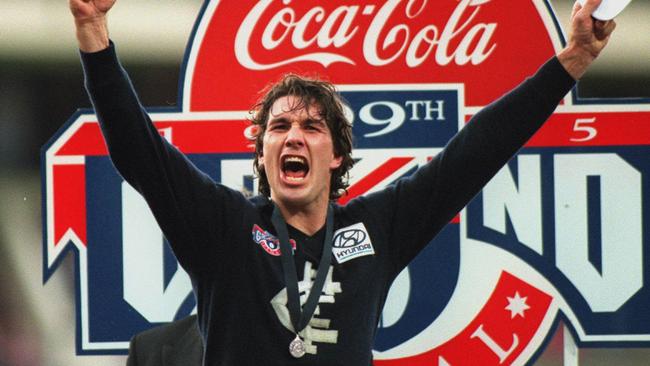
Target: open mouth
295, 168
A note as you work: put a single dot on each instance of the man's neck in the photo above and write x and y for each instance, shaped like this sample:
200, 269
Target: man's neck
308, 219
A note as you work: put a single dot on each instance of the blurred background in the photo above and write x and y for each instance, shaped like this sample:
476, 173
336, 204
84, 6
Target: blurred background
41, 86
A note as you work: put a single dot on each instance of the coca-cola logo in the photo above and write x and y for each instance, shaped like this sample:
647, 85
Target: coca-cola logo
320, 35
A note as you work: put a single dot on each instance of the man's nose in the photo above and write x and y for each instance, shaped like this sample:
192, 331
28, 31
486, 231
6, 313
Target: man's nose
295, 137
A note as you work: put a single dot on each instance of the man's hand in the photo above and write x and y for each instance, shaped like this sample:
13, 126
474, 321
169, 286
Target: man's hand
587, 38
91, 24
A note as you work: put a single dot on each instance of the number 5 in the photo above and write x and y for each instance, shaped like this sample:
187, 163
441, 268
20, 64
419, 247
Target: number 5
581, 125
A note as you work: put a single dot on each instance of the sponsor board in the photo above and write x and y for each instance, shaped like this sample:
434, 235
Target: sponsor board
558, 233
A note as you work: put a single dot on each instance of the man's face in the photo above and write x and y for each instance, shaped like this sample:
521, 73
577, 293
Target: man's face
298, 154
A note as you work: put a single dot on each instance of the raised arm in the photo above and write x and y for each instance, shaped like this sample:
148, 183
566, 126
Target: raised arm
428, 199
587, 38
190, 209
91, 24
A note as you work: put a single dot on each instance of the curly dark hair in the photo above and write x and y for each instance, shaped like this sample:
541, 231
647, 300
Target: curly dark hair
310, 92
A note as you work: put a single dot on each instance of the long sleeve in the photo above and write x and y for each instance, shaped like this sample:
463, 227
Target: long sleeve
420, 205
186, 203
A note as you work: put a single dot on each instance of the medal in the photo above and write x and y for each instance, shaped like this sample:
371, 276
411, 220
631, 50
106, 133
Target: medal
300, 316
297, 347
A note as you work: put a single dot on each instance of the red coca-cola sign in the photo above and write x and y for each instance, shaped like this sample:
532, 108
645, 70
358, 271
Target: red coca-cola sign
241, 46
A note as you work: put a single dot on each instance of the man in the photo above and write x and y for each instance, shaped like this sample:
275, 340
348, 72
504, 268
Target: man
250, 309
175, 344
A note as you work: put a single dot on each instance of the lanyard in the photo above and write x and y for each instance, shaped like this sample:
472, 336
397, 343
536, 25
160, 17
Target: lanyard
300, 318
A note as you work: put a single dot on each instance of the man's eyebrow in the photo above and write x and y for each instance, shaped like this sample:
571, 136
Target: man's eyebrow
316, 121
276, 120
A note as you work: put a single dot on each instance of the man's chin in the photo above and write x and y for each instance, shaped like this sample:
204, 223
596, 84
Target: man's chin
294, 201
292, 196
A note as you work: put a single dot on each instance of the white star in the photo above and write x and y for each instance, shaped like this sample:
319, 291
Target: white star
517, 305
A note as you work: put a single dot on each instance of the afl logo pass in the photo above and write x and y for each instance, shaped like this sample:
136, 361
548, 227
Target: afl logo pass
352, 242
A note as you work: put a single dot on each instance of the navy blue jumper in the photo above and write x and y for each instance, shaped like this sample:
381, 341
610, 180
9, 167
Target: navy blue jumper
239, 286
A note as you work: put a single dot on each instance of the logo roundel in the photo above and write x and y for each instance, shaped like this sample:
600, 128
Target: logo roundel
269, 242
545, 239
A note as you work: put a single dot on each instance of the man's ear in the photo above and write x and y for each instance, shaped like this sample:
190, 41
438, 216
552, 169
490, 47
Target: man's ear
336, 162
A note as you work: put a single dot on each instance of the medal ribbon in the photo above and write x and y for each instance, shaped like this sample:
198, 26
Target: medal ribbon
300, 318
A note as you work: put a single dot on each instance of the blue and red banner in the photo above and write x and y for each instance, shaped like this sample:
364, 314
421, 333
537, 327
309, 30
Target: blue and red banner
560, 231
